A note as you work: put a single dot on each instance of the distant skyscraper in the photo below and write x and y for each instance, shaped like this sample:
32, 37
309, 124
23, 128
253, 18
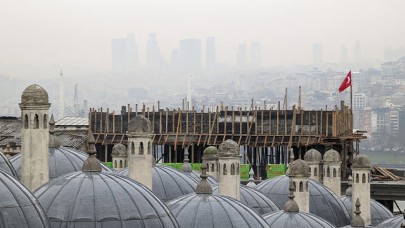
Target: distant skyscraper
241, 55
190, 55
124, 54
357, 52
318, 54
153, 57
210, 61
256, 54
344, 54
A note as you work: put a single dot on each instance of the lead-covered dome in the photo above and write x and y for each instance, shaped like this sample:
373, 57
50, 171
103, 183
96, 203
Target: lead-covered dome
169, 183
331, 156
18, 207
255, 200
6, 165
322, 201
99, 199
379, 213
34, 95
392, 222
139, 125
207, 210
62, 160
361, 161
298, 168
282, 219
313, 155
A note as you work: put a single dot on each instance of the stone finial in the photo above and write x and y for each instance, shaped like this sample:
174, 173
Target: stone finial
92, 164
186, 165
52, 139
140, 125
229, 148
204, 186
349, 189
34, 95
291, 205
292, 156
357, 220
298, 168
210, 152
251, 179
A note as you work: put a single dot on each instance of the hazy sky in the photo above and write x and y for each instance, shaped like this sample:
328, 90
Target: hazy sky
79, 32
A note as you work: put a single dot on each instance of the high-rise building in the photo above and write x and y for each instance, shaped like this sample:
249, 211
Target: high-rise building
210, 60
124, 54
318, 54
256, 54
153, 56
190, 55
241, 55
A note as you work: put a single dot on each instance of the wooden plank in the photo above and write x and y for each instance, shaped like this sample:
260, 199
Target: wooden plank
160, 121
278, 116
273, 142
292, 128
262, 122
212, 126
233, 122
177, 132
327, 124
195, 122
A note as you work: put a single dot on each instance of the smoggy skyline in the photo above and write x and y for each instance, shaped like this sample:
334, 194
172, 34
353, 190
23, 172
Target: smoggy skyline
76, 33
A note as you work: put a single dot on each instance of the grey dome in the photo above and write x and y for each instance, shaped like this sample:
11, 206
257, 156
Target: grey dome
332, 156
229, 148
392, 222
18, 207
97, 199
298, 168
34, 95
196, 176
210, 152
169, 183
313, 155
322, 201
6, 165
119, 150
62, 160
379, 213
282, 219
139, 125
207, 210
255, 200
361, 161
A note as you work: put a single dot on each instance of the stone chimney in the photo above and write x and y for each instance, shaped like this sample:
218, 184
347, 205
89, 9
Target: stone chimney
228, 165
313, 158
210, 157
34, 137
298, 171
361, 186
140, 156
331, 171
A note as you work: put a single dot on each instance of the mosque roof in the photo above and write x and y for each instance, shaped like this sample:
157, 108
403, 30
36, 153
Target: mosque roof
392, 222
62, 160
322, 201
18, 207
102, 199
169, 183
254, 199
282, 219
207, 210
379, 213
7, 166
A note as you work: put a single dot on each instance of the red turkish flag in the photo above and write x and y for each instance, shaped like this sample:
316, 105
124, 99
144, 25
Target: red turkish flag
346, 83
